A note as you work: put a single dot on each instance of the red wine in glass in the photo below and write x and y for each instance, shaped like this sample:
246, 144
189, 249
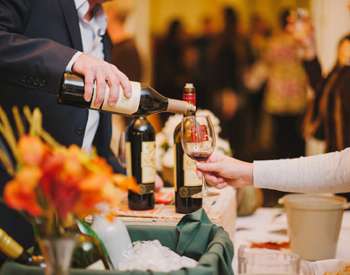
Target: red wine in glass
199, 156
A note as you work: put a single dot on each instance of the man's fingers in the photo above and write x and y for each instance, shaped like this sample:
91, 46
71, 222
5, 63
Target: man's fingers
113, 84
124, 82
100, 89
88, 85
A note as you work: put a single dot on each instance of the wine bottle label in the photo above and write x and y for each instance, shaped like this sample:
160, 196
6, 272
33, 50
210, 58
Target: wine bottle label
146, 188
148, 161
189, 191
128, 159
124, 105
190, 176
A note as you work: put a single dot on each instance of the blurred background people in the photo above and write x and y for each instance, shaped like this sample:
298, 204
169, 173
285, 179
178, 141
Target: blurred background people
286, 90
280, 75
230, 56
168, 54
328, 118
246, 66
204, 43
124, 49
259, 35
285, 98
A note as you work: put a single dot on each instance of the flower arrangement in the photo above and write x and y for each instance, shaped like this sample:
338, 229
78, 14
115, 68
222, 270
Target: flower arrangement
51, 183
165, 139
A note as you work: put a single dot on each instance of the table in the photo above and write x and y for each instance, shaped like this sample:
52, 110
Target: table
221, 210
270, 224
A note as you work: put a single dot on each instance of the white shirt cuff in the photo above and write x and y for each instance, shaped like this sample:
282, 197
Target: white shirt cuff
72, 61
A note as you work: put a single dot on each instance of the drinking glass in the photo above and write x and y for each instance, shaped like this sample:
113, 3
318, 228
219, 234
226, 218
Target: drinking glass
198, 139
260, 261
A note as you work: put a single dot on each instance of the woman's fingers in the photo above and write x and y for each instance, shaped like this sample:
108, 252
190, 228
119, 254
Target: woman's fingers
208, 166
213, 179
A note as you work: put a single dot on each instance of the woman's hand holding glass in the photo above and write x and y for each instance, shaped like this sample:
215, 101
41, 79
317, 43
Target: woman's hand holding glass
220, 170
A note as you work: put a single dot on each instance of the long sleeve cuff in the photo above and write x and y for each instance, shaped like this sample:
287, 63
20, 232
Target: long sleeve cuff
328, 173
72, 61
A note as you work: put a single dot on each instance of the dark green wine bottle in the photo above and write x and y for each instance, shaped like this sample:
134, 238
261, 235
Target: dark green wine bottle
90, 248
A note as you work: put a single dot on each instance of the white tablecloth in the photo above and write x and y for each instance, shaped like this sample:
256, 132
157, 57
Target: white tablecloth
270, 224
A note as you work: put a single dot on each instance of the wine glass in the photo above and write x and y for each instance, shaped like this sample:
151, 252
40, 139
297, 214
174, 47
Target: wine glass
198, 139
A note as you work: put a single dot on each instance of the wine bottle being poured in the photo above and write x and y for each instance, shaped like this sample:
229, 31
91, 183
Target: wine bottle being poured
143, 101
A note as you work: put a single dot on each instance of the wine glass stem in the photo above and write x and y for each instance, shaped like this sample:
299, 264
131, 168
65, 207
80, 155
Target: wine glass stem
204, 194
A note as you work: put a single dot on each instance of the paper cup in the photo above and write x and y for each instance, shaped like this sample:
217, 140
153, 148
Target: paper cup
313, 224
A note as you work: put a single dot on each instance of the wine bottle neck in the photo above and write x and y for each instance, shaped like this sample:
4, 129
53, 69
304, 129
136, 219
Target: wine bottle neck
9, 246
179, 106
189, 95
190, 98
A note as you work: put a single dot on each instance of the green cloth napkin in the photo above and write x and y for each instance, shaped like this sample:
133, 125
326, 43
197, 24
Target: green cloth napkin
195, 236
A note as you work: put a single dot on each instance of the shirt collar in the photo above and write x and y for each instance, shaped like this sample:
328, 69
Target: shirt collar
82, 7
79, 3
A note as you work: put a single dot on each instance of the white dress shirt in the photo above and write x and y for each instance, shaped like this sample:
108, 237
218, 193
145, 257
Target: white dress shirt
92, 33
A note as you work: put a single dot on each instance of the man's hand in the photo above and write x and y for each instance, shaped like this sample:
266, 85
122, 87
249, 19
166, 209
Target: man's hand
221, 170
103, 73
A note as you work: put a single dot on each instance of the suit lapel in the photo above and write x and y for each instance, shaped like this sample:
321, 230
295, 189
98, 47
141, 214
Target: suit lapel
72, 22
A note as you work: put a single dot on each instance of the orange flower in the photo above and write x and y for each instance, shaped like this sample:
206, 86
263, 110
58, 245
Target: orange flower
93, 182
28, 177
126, 183
22, 198
53, 180
31, 150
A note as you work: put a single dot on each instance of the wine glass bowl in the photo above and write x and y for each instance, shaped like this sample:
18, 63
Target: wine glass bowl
198, 137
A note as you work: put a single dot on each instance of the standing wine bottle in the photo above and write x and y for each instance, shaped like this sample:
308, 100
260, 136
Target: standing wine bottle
87, 252
186, 181
144, 100
140, 161
13, 250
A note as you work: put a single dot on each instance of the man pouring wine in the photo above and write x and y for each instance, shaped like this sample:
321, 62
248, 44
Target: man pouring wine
40, 40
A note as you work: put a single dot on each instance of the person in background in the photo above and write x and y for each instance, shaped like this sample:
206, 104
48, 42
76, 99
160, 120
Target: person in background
168, 59
259, 35
39, 41
168, 66
124, 50
280, 73
203, 43
230, 56
286, 90
329, 116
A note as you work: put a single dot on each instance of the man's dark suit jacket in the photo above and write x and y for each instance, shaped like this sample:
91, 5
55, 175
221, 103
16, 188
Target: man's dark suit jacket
37, 40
